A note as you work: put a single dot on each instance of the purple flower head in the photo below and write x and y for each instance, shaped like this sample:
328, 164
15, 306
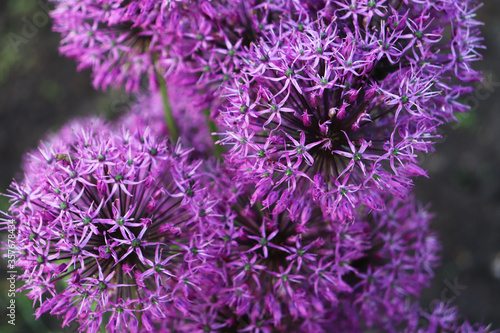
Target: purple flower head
393, 272
113, 38
295, 270
278, 271
442, 318
337, 102
110, 224
122, 41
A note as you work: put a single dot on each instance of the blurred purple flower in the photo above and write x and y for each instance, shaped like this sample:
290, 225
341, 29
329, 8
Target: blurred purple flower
297, 271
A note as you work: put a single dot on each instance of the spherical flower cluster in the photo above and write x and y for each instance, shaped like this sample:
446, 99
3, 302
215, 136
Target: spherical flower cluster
297, 271
392, 273
124, 40
281, 273
338, 103
442, 318
111, 226
114, 38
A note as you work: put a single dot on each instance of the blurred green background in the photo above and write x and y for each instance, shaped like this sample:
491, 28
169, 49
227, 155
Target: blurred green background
40, 91
464, 192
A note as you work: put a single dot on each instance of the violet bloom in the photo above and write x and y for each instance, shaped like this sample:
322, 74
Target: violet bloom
442, 318
111, 227
393, 271
296, 271
389, 278
336, 99
275, 272
122, 41
110, 37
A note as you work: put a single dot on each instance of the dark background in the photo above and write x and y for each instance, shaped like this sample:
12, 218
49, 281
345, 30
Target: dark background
464, 192
40, 91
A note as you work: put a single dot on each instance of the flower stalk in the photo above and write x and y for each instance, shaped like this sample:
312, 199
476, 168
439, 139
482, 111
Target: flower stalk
212, 127
169, 118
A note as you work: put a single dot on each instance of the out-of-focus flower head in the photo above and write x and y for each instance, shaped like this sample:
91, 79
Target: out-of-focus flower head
111, 37
110, 224
298, 271
123, 41
441, 318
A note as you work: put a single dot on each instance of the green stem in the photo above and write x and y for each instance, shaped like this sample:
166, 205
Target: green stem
213, 128
169, 119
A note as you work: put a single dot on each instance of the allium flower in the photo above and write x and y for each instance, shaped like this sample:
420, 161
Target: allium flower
111, 227
114, 38
442, 318
393, 272
297, 271
336, 98
124, 40
325, 105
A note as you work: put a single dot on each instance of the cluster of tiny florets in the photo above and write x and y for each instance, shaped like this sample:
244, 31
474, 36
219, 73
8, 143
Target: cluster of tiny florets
298, 271
107, 224
337, 104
